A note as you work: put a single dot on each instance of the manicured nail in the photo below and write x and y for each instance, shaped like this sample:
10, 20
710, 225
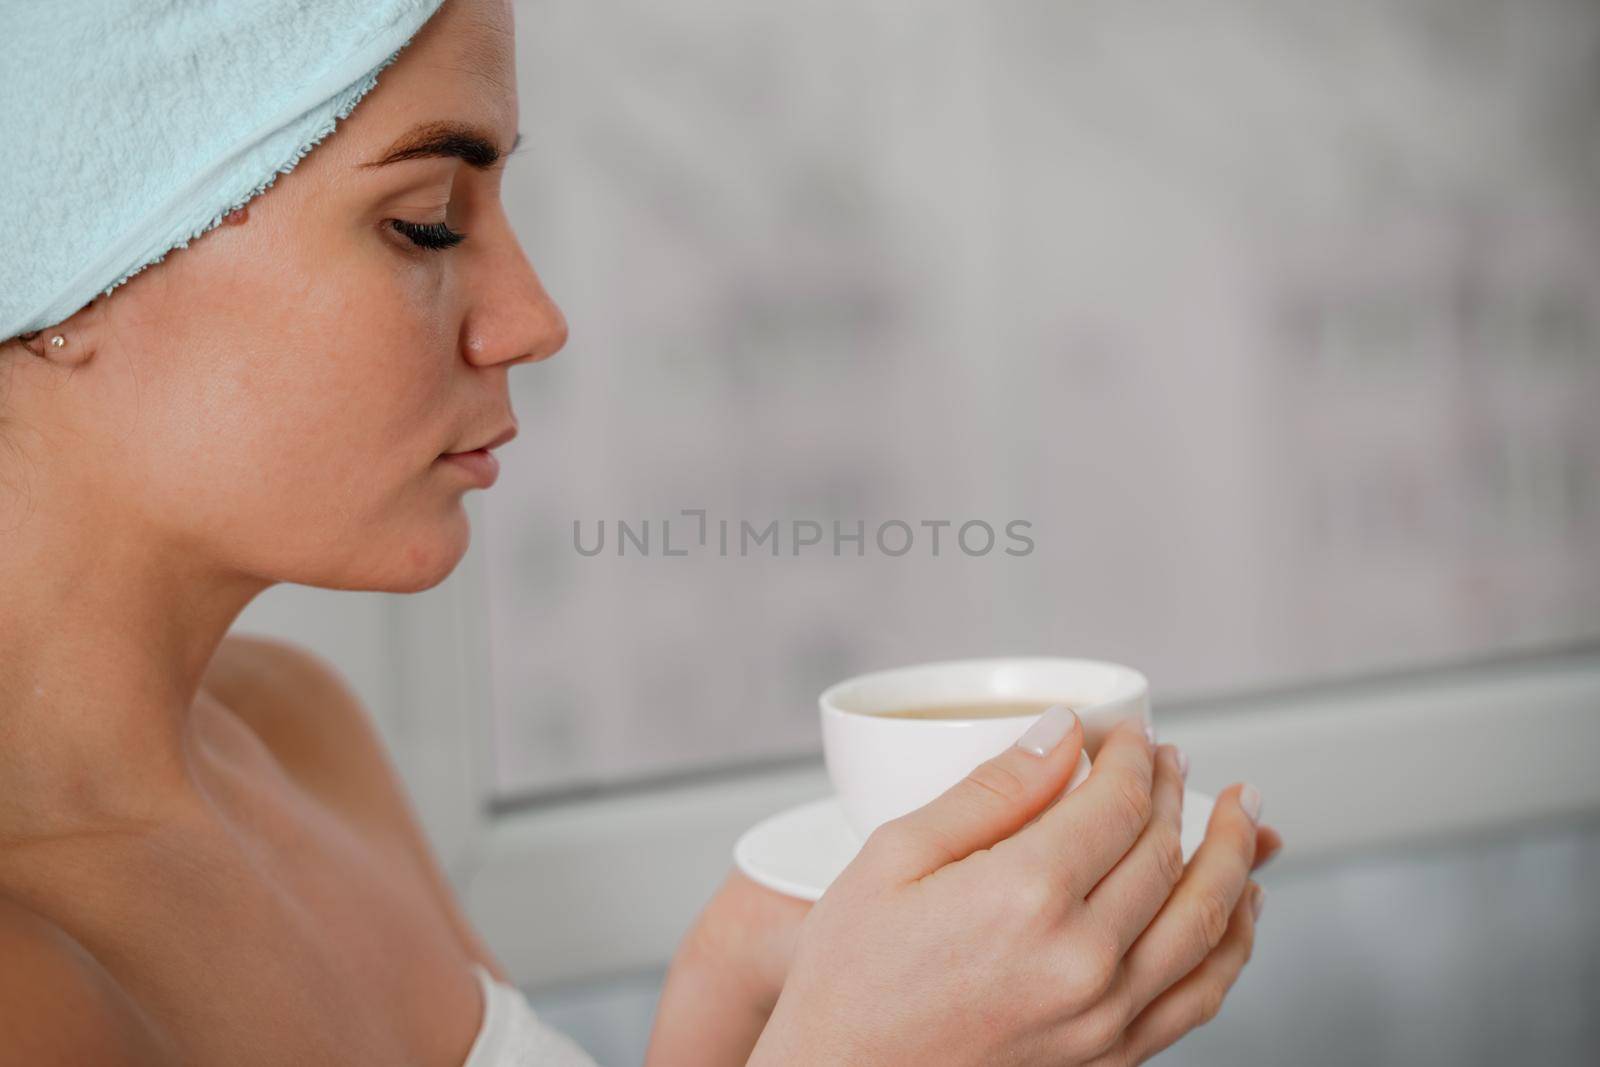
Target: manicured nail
1080, 774
1048, 730
1250, 801
1183, 762
1259, 902
1150, 733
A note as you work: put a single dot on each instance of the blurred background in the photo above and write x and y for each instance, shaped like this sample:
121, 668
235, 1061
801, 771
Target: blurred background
1279, 323
1275, 325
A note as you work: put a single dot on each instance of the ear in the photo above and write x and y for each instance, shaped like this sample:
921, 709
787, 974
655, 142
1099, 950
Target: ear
70, 342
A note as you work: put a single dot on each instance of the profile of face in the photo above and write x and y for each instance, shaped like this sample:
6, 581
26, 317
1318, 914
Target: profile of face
273, 400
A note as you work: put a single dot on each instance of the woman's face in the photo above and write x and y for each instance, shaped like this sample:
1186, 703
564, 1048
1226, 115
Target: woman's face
276, 396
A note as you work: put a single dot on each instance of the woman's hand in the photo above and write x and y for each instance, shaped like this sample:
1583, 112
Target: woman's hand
726, 976
993, 925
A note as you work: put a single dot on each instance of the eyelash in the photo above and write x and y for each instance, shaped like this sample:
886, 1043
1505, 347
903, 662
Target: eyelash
430, 235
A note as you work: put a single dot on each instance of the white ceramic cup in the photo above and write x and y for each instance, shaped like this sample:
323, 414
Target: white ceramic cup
884, 767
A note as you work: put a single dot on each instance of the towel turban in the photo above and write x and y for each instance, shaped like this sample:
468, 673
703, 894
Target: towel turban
131, 127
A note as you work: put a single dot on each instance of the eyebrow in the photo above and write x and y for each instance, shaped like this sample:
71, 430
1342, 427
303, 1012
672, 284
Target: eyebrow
471, 144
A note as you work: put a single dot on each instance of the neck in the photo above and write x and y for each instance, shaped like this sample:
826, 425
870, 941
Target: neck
106, 632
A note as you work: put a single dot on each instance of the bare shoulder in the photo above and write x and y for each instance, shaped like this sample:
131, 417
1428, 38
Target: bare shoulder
314, 723
324, 737
58, 1005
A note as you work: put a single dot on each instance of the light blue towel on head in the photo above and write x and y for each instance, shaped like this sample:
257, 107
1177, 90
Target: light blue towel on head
130, 127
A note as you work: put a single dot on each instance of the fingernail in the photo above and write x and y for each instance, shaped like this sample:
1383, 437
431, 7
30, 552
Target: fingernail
1080, 774
1048, 730
1183, 762
1250, 801
1260, 901
1150, 733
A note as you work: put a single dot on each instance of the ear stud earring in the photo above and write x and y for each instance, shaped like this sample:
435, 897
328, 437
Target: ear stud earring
58, 341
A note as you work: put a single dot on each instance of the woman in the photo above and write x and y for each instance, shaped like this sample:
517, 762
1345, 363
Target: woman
205, 854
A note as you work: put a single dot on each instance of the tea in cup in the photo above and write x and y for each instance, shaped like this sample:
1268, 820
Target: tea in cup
894, 740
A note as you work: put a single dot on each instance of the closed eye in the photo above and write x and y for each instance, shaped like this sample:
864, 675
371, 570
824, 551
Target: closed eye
430, 235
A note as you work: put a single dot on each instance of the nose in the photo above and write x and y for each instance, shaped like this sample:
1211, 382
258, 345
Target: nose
512, 319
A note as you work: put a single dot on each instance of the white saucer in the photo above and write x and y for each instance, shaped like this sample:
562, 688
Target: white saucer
799, 852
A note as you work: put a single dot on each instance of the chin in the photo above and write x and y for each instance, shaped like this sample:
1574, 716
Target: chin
431, 555
414, 557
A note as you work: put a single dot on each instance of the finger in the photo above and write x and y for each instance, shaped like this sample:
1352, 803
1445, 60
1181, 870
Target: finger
990, 804
1125, 900
1087, 832
1268, 844
1080, 774
1197, 998
1194, 918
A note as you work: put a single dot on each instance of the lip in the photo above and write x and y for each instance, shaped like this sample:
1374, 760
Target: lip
480, 465
494, 442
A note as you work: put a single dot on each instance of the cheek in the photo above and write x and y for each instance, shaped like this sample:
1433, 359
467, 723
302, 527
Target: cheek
369, 338
318, 397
